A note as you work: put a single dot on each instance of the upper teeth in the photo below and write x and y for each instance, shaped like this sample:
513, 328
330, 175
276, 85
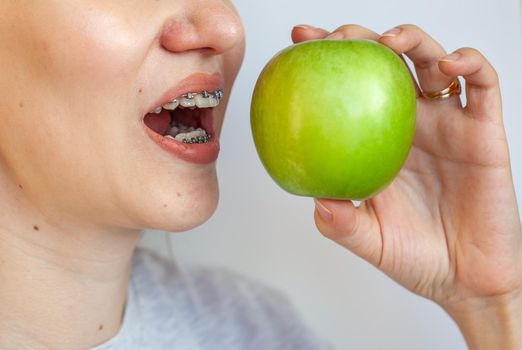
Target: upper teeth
203, 99
172, 105
187, 101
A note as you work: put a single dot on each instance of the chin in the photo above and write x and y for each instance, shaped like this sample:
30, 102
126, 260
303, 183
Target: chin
191, 216
175, 208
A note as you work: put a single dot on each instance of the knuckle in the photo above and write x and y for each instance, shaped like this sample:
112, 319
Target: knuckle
415, 36
476, 57
495, 76
410, 37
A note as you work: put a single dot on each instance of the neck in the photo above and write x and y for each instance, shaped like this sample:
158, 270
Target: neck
62, 285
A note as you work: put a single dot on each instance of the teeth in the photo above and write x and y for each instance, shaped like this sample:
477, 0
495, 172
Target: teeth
192, 100
198, 139
196, 136
180, 137
173, 131
171, 105
204, 102
180, 126
177, 128
187, 100
213, 101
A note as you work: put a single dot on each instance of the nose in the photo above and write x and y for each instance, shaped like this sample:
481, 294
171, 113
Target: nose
203, 25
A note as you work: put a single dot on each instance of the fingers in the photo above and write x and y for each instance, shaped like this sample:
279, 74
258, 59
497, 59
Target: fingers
423, 51
352, 31
482, 84
353, 228
306, 32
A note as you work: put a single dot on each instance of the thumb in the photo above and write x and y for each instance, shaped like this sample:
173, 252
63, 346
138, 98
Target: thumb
356, 229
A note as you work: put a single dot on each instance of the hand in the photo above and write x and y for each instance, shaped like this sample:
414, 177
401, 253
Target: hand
448, 227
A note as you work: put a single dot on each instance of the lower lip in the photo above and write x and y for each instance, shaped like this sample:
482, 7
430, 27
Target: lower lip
198, 153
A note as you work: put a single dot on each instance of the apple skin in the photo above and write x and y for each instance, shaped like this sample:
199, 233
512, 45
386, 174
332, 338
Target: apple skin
334, 118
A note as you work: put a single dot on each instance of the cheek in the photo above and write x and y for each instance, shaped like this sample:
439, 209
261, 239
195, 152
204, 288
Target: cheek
96, 54
68, 69
78, 73
93, 46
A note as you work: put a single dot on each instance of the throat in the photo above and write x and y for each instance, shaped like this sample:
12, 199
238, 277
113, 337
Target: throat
53, 285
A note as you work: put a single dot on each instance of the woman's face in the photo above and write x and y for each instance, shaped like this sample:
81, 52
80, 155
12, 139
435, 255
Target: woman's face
78, 79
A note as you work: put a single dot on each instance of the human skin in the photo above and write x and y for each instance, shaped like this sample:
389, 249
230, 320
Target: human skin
448, 227
79, 177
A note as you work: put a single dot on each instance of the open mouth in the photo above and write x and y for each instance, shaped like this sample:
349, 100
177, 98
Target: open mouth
186, 119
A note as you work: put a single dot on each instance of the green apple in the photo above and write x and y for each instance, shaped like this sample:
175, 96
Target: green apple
334, 118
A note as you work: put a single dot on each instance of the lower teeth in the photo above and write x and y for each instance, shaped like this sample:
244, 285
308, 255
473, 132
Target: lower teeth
199, 139
185, 134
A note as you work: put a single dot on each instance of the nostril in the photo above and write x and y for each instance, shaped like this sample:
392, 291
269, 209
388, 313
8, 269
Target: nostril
179, 36
214, 29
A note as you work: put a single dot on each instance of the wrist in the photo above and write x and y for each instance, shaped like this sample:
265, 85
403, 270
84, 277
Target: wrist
490, 323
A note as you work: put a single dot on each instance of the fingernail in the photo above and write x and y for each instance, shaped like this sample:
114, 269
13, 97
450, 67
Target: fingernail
392, 32
451, 58
323, 211
335, 36
304, 26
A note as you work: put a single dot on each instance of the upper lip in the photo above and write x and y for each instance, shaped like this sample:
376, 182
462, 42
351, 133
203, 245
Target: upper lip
196, 82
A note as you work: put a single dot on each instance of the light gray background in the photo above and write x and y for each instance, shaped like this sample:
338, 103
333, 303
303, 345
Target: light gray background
261, 231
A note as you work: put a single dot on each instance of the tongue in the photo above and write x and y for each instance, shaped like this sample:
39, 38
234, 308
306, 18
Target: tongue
158, 122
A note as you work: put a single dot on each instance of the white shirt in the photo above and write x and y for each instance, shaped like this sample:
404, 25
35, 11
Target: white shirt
204, 309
